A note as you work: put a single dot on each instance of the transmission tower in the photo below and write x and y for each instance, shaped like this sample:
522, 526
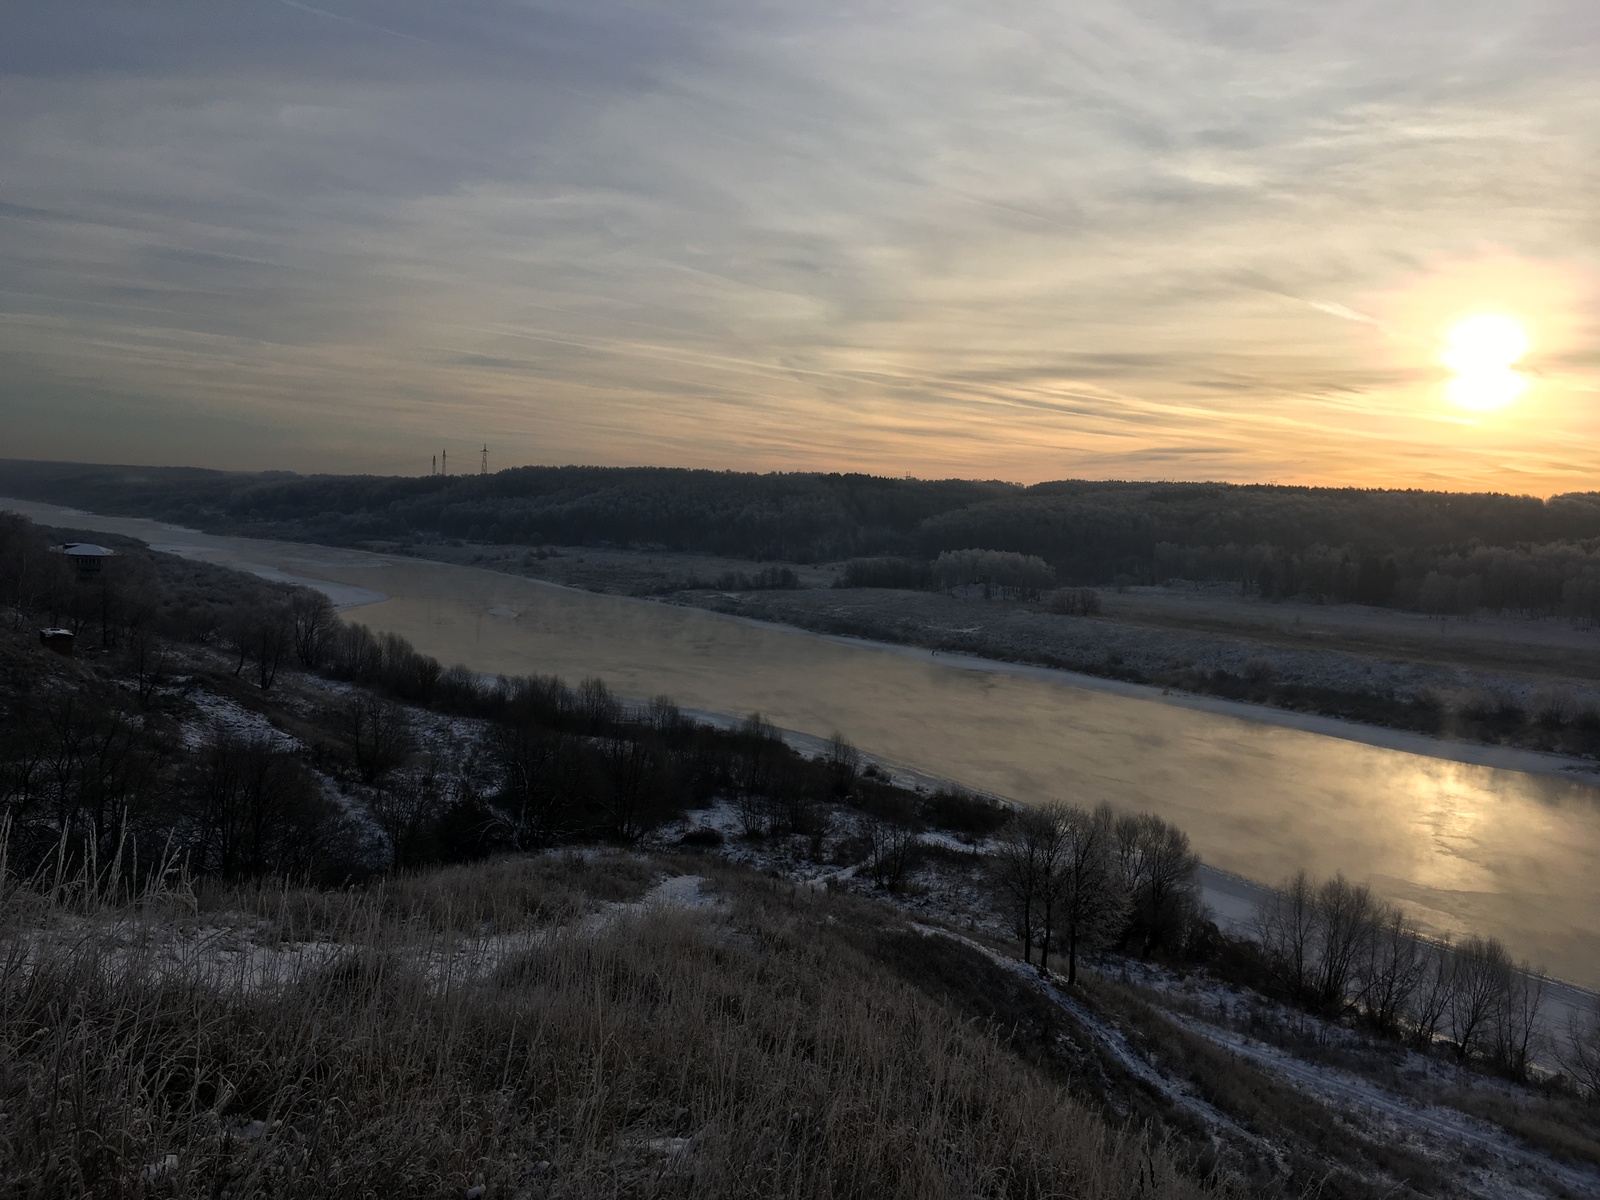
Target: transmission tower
483, 463
444, 462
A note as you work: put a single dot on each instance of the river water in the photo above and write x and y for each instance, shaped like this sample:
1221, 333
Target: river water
1466, 848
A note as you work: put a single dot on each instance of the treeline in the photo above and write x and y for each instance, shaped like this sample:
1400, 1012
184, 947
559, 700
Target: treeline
1076, 880
1333, 948
990, 573
765, 580
1446, 553
1436, 553
799, 517
1092, 532
1440, 553
1554, 579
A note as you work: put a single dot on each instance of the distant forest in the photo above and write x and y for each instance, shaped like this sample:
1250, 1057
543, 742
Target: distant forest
1438, 552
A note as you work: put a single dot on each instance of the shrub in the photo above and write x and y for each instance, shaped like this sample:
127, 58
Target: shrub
999, 572
1073, 602
904, 573
959, 811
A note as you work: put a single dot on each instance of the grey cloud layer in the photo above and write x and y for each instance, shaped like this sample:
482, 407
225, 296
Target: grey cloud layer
982, 238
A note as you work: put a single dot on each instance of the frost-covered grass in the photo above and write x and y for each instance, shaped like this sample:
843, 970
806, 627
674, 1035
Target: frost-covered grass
741, 1048
1507, 1139
1294, 1097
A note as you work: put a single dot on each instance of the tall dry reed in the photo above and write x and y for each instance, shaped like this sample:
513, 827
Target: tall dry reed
421, 1044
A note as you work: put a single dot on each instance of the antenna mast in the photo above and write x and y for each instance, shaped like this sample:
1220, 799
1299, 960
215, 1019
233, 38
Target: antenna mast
444, 462
483, 463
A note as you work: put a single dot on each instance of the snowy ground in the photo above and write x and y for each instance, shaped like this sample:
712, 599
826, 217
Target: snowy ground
239, 951
216, 713
1401, 1100
1495, 1163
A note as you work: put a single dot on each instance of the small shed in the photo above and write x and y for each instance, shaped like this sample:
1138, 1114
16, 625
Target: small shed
86, 556
59, 640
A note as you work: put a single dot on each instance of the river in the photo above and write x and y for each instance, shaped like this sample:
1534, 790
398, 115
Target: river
1509, 853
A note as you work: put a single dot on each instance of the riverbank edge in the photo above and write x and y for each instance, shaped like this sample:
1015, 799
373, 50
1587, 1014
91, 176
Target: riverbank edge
1234, 901
1384, 737
1478, 754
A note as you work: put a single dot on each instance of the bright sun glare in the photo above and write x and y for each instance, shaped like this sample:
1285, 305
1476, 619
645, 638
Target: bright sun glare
1483, 350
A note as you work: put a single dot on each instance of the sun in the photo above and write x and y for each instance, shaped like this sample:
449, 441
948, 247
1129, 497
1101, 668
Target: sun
1483, 351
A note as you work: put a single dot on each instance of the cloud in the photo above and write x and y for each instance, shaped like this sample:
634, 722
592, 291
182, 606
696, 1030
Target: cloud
951, 238
360, 24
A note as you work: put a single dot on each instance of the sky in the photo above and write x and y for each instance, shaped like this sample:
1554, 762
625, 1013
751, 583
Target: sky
1171, 239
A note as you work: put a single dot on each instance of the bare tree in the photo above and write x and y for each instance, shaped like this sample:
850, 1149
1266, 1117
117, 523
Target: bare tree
634, 768
377, 732
1346, 913
1392, 970
1051, 833
1021, 865
1158, 872
28, 571
598, 710
147, 658
273, 635
665, 717
351, 651
1432, 1000
239, 633
311, 619
65, 732
1581, 1054
892, 845
1288, 930
23, 753
536, 769
1482, 980
794, 804
130, 597
257, 810
757, 751
844, 765
1516, 1025
74, 602
1087, 888
406, 806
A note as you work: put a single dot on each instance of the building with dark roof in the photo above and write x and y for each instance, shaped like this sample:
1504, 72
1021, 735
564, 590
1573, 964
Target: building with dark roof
86, 556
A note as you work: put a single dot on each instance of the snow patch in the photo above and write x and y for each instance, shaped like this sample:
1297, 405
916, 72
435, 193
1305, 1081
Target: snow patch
218, 714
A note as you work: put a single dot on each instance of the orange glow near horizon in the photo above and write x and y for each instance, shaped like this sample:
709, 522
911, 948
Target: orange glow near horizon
789, 237
1481, 380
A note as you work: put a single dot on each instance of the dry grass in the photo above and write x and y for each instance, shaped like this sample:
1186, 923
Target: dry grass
1545, 1117
1562, 1126
737, 1051
1303, 1131
501, 896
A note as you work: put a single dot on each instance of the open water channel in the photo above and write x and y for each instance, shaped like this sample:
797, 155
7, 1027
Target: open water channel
1508, 853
